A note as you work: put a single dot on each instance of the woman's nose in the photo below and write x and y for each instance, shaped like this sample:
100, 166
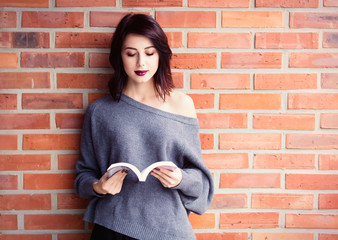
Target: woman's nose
140, 60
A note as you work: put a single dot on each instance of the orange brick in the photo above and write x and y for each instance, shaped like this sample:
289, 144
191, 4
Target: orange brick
324, 236
8, 60
287, 3
221, 120
8, 101
186, 19
219, 40
203, 100
52, 59
330, 3
67, 161
250, 180
311, 181
318, 20
60, 221
311, 221
25, 162
220, 81
51, 142
282, 236
282, 40
175, 39
178, 79
99, 60
105, 19
72, 236
85, 3
328, 201
226, 160
328, 162
49, 181
284, 161
313, 60
23, 3
313, 101
250, 141
282, 201
24, 121
312, 141
219, 3
69, 120
8, 142
250, 101
207, 220
152, 3
251, 60
71, 201
222, 236
221, 201
330, 40
8, 182
27, 80
82, 40
207, 141
27, 237
289, 121
83, 80
194, 60
7, 19
94, 96
252, 19
52, 101
46, 19
330, 80
249, 220
25, 202
329, 120
275, 81
8, 222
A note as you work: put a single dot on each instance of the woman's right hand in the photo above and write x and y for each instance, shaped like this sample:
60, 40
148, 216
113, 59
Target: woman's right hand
112, 185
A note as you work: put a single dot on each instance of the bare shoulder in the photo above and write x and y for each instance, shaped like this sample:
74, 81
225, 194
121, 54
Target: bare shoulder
181, 104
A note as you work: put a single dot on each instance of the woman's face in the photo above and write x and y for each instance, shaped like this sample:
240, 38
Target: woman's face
140, 58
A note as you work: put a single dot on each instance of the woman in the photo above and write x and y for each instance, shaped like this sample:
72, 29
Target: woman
142, 122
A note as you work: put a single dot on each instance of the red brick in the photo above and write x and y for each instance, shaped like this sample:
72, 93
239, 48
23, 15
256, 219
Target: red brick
49, 181
284, 161
26, 236
105, 19
51, 142
226, 160
288, 121
312, 141
83, 80
318, 20
186, 19
287, 3
250, 101
220, 81
330, 40
60, 221
8, 60
245, 60
250, 141
152, 3
207, 220
252, 19
8, 182
330, 3
99, 60
313, 101
24, 80
222, 236
82, 40
23, 3
24, 121
221, 201
221, 120
94, 96
219, 3
24, 40
72, 236
282, 236
52, 101
249, 220
328, 162
8, 101
52, 19
85, 3
282, 201
25, 202
313, 60
203, 101
282, 40
276, 81
8, 222
69, 120
194, 60
7, 19
311, 221
52, 59
25, 162
324, 236
207, 141
250, 180
178, 79
219, 40
175, 39
329, 120
328, 201
330, 80
67, 161
8, 142
311, 181
71, 201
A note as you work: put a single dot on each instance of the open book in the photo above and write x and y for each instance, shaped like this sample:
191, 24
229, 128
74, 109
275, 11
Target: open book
142, 176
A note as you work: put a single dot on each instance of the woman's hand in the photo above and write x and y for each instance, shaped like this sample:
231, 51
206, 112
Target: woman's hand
168, 178
112, 185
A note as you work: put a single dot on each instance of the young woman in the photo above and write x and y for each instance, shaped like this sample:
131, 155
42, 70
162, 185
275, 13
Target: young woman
143, 121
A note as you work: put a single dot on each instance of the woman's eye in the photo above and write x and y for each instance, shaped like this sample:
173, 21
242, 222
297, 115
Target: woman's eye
131, 54
150, 54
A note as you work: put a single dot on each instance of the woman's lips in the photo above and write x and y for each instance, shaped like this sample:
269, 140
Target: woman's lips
141, 73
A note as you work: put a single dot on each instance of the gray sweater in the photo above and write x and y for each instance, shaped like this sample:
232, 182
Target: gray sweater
129, 131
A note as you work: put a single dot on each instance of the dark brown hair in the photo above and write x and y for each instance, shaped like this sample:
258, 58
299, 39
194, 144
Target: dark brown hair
146, 26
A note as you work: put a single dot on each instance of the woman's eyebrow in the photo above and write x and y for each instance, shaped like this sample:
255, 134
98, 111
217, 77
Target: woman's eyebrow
136, 48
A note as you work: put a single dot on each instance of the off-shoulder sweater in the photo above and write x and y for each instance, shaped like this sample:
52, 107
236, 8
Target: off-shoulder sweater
130, 131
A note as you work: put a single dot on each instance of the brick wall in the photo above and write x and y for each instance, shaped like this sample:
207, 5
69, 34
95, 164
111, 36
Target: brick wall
263, 75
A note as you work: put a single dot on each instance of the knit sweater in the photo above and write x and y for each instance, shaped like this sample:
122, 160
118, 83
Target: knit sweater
130, 131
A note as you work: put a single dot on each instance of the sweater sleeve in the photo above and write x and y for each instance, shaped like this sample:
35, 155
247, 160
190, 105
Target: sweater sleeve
196, 187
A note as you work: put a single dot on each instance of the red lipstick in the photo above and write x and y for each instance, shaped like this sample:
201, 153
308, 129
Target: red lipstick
141, 73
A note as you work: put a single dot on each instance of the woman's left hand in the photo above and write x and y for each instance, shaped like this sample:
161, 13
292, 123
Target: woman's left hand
168, 178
